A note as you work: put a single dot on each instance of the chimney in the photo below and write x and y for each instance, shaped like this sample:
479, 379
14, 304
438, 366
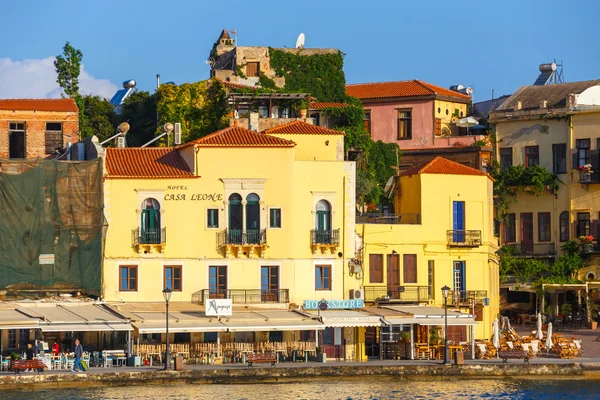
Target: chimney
571, 100
544, 104
253, 121
519, 105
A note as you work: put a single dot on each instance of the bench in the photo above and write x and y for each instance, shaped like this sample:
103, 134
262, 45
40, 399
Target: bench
514, 354
261, 359
22, 365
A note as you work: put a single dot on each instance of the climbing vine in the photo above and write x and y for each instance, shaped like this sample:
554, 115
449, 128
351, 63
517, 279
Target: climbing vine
534, 180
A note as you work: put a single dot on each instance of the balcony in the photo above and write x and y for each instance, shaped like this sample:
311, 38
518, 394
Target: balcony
537, 250
394, 219
148, 237
461, 238
325, 237
234, 241
466, 298
244, 296
397, 294
590, 248
587, 177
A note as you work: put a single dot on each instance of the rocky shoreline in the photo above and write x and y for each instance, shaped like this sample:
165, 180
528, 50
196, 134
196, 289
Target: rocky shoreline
284, 375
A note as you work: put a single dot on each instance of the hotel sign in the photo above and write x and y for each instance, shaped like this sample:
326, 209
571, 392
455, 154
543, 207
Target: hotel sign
218, 307
334, 304
46, 259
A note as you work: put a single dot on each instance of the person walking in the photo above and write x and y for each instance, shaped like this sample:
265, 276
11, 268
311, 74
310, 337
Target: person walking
78, 353
29, 354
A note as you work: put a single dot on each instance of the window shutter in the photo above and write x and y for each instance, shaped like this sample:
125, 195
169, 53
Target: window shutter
574, 160
376, 268
595, 159
410, 268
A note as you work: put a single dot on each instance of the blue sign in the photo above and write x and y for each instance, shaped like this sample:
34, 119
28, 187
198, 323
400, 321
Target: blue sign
334, 304
486, 301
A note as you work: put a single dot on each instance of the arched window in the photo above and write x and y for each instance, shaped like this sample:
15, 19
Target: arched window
253, 218
564, 226
236, 215
150, 222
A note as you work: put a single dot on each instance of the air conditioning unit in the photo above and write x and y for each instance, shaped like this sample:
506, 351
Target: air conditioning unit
357, 294
121, 141
177, 132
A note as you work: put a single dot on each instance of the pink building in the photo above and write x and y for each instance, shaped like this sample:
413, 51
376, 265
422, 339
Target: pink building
421, 118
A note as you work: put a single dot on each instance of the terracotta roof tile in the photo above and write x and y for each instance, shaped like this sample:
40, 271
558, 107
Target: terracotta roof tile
149, 162
234, 85
410, 88
56, 105
320, 105
236, 136
442, 166
302, 128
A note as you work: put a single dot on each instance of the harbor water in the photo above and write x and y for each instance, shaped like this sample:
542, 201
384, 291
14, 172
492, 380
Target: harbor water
368, 388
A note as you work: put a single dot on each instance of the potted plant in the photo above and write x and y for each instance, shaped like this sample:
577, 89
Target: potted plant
302, 108
321, 357
586, 242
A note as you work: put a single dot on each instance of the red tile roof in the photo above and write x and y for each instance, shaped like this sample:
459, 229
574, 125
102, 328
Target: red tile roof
320, 105
442, 166
236, 136
57, 105
148, 162
234, 85
411, 88
302, 128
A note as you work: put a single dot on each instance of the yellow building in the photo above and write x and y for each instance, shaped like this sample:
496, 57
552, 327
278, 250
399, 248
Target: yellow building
557, 127
441, 235
266, 220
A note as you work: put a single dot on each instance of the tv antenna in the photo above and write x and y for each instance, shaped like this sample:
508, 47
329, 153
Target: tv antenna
300, 41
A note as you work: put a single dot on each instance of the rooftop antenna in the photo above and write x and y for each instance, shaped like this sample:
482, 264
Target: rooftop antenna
300, 41
167, 128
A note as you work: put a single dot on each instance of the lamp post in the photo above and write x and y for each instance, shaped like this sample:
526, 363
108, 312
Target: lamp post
167, 295
445, 293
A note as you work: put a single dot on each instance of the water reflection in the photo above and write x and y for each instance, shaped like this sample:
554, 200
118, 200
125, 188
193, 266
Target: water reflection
367, 388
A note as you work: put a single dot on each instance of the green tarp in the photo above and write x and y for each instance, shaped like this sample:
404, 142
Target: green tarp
51, 209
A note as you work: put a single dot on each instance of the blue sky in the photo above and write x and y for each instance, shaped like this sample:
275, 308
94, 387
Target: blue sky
484, 44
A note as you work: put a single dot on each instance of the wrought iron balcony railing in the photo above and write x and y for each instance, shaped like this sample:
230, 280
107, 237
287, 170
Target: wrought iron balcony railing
530, 250
243, 296
466, 298
398, 294
318, 236
377, 218
464, 238
241, 237
148, 236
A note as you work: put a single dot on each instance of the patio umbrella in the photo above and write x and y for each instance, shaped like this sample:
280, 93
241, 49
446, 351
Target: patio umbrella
539, 334
496, 334
549, 338
467, 122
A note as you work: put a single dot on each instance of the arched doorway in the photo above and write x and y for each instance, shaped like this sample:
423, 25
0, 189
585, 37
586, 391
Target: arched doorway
150, 222
235, 219
323, 222
253, 218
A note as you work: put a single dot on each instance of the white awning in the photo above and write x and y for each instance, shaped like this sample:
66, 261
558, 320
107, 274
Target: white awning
179, 322
270, 320
348, 319
451, 321
13, 319
85, 327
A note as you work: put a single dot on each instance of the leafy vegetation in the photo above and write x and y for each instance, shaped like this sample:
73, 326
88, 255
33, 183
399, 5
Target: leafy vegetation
97, 117
68, 68
534, 180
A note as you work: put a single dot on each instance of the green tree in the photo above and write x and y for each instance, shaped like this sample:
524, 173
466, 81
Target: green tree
68, 68
96, 117
139, 110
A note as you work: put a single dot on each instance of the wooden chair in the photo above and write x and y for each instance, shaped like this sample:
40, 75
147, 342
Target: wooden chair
423, 352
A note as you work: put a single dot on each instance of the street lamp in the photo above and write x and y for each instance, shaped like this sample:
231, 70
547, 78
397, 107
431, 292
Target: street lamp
445, 293
167, 294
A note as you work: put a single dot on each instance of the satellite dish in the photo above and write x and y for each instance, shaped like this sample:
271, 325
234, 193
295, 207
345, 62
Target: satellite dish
389, 184
300, 41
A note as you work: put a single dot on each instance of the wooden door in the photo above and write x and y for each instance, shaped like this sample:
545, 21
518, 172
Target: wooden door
526, 233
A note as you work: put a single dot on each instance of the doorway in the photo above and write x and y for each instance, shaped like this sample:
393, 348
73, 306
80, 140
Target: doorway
16, 146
